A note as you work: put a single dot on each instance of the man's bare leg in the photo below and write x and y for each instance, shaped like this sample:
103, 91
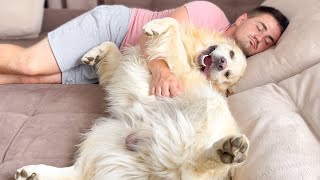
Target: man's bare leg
24, 79
35, 60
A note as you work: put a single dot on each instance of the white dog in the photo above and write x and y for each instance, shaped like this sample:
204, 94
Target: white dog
192, 136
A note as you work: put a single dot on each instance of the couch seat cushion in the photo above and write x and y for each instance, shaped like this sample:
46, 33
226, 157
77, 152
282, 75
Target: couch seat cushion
41, 124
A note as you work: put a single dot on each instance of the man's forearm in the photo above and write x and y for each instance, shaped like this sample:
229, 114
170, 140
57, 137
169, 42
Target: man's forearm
155, 65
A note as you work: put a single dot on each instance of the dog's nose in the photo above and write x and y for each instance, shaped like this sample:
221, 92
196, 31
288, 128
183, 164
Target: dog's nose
221, 63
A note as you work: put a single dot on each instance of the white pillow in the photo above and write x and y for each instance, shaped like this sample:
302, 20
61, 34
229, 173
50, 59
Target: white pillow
297, 49
20, 19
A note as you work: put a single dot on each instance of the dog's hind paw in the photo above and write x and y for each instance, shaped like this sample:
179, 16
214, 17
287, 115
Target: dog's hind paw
92, 57
97, 53
234, 150
26, 173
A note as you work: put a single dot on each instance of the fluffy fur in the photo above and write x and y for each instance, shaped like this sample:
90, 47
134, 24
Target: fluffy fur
192, 136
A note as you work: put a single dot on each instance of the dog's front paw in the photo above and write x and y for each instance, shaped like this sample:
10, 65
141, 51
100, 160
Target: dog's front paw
234, 150
27, 173
158, 26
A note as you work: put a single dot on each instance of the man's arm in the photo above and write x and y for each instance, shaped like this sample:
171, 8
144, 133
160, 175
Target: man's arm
164, 82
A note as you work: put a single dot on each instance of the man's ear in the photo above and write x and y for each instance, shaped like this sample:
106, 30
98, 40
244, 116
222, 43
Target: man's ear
241, 19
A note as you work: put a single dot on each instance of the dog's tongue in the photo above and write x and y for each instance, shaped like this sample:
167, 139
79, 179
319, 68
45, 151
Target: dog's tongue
207, 61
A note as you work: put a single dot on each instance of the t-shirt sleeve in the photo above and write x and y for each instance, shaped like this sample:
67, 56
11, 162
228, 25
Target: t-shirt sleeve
206, 14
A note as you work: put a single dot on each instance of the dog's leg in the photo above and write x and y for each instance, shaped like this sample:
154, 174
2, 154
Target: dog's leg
44, 172
165, 41
224, 154
160, 26
106, 57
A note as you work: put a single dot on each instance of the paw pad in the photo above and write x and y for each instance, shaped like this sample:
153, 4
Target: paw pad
90, 60
23, 175
234, 150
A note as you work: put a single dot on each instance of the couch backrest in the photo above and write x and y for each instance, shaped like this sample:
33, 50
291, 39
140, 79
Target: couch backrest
233, 8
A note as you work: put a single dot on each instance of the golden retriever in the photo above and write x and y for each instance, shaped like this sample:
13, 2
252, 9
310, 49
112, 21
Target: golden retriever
191, 136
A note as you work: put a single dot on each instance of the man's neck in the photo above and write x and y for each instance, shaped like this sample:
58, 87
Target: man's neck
229, 32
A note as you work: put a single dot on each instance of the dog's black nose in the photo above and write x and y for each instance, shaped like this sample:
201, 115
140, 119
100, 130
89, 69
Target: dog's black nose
221, 63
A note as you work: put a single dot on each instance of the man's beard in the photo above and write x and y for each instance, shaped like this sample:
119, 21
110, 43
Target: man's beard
244, 46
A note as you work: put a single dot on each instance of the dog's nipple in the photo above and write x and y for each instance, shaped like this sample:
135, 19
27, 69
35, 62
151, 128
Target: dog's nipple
130, 142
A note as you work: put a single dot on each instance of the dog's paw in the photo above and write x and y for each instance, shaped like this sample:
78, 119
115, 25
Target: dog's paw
96, 54
92, 57
158, 26
27, 173
234, 150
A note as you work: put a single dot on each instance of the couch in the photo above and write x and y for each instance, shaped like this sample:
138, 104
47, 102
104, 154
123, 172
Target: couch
277, 102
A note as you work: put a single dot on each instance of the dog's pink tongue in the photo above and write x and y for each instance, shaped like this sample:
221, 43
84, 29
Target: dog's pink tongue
207, 61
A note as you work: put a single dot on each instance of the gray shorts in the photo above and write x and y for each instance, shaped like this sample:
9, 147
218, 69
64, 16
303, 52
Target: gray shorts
72, 40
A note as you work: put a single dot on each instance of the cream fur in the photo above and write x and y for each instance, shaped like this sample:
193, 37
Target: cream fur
191, 136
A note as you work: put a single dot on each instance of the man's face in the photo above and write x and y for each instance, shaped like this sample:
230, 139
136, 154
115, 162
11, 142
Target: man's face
256, 34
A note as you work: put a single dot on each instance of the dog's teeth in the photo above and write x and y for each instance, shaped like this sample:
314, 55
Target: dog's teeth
202, 61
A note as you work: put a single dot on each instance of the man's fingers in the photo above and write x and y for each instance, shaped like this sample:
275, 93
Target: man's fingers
165, 92
174, 91
153, 91
180, 87
158, 91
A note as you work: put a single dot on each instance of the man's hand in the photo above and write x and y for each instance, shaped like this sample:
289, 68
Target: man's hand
164, 82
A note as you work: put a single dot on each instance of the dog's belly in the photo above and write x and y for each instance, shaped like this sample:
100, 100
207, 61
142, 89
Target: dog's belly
104, 151
130, 83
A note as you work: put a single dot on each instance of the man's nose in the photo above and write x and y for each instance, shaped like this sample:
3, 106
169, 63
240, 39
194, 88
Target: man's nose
259, 37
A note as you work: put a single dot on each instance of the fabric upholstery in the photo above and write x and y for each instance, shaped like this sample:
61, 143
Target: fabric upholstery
231, 7
278, 100
20, 19
43, 123
297, 49
277, 103
282, 123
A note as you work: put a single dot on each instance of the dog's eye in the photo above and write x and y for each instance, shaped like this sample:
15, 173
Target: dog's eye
227, 74
211, 48
231, 54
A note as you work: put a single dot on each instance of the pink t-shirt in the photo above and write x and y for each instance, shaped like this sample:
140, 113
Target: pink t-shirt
200, 13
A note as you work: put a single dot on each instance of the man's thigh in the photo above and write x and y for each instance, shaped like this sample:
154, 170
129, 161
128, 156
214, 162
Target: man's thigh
41, 59
72, 40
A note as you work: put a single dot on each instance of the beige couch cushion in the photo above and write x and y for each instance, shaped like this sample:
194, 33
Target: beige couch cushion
42, 123
20, 19
282, 124
278, 100
297, 49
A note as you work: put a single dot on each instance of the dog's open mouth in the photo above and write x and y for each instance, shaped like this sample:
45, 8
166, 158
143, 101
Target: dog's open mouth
206, 63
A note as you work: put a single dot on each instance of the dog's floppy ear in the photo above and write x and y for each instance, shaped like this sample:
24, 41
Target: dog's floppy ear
229, 92
222, 89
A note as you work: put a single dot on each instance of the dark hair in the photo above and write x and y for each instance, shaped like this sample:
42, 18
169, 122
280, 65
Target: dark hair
280, 18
